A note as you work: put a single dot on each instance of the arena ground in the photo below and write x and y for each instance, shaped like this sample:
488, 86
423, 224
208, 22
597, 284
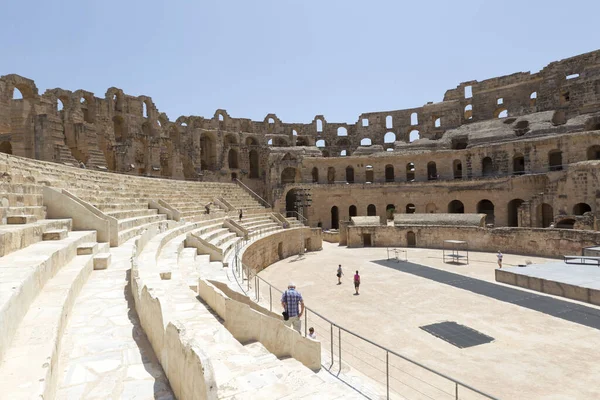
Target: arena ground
533, 355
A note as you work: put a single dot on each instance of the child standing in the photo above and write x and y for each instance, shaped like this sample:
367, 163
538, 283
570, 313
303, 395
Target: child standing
499, 255
339, 274
356, 282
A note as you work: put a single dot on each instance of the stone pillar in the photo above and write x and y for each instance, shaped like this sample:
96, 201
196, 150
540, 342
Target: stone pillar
344, 233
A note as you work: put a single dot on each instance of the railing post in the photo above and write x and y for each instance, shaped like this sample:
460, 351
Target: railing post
305, 321
387, 373
340, 348
270, 299
456, 391
331, 330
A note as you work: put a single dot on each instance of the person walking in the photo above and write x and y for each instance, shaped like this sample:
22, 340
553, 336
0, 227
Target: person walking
356, 283
293, 304
207, 208
339, 274
499, 255
241, 214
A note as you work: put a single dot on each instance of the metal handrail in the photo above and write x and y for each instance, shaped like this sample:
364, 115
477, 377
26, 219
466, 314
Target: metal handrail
301, 217
253, 193
457, 383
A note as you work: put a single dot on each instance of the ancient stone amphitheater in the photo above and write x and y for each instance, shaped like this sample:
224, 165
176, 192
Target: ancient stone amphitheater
108, 253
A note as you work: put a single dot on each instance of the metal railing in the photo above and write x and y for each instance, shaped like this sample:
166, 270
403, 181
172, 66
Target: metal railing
397, 375
253, 193
296, 214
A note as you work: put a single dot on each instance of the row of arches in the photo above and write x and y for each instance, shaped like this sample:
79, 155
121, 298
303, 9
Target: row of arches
544, 211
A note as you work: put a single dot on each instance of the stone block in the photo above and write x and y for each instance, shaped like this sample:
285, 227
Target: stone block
87, 248
57, 234
594, 296
102, 261
21, 219
165, 275
523, 281
506, 277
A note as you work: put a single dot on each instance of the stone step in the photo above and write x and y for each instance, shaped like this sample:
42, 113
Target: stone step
24, 273
135, 231
129, 223
16, 237
124, 214
102, 261
30, 367
87, 248
55, 234
21, 219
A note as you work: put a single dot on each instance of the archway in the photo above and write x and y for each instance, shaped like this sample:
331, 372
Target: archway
486, 207
389, 211
208, 147
369, 175
411, 240
288, 175
456, 207
253, 157
6, 147
430, 208
330, 175
555, 160
349, 174
315, 175
335, 222
389, 173
568, 223
432, 171
518, 164
290, 202
410, 208
457, 169
352, 212
513, 212
410, 172
487, 167
119, 128
581, 208
371, 210
250, 141
545, 215
593, 152
233, 159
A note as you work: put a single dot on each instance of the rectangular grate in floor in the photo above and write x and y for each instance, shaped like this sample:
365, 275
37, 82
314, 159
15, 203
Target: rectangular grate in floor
459, 335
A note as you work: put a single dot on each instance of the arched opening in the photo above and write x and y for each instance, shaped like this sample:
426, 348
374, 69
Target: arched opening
294, 132
568, 223
545, 215
230, 140
501, 113
468, 112
389, 137
330, 175
430, 208
349, 174
325, 153
144, 109
208, 147
6, 147
270, 142
371, 210
456, 207
389, 122
410, 172
518, 164
410, 208
369, 175
319, 125
411, 240
389, 211
119, 128
315, 175
291, 204
365, 142
59, 105
532, 98
413, 135
320, 143
593, 152
513, 212
432, 174
253, 156
288, 175
487, 167
486, 207
302, 141
17, 94
250, 141
389, 173
437, 123
233, 159
457, 169
352, 212
414, 119
581, 208
555, 160
343, 153
341, 131
335, 220
88, 114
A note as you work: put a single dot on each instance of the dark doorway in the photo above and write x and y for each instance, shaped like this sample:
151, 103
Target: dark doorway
371, 210
456, 207
335, 220
349, 174
411, 240
513, 212
545, 215
367, 240
352, 211
389, 173
518, 165
315, 175
253, 163
290, 202
6, 147
486, 207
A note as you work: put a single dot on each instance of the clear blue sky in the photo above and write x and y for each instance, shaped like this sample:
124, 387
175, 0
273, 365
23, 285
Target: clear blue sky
293, 58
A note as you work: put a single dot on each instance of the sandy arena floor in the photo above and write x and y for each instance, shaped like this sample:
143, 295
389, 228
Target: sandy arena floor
533, 356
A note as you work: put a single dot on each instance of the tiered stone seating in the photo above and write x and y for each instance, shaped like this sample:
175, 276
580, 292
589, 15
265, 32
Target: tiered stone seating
262, 223
294, 222
234, 366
